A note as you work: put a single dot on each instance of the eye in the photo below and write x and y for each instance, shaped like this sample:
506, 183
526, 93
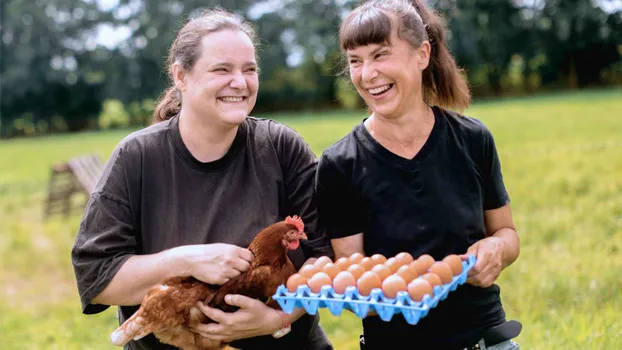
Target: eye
221, 69
381, 54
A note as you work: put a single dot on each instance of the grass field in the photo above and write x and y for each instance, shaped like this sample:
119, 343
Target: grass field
562, 163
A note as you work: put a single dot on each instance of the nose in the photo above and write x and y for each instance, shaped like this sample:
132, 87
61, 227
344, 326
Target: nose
237, 81
369, 72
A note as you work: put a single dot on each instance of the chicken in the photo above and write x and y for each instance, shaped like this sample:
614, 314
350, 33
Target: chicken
169, 308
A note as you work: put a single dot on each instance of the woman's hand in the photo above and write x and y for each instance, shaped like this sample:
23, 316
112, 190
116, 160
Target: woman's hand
253, 319
489, 253
213, 263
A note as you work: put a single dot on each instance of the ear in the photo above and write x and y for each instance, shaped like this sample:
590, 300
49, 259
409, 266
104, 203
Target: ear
179, 76
423, 54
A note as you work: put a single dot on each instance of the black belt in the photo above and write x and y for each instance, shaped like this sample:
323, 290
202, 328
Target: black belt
498, 334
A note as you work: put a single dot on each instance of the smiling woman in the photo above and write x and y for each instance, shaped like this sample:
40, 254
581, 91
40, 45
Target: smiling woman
181, 197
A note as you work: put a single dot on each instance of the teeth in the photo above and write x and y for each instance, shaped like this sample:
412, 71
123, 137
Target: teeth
379, 89
231, 99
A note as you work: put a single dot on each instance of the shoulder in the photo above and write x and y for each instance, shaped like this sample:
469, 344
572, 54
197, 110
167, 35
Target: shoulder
342, 154
465, 125
149, 136
280, 135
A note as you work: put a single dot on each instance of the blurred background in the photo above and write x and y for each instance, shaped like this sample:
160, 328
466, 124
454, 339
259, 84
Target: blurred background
546, 76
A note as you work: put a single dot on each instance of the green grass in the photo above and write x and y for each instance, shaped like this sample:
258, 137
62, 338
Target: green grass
562, 163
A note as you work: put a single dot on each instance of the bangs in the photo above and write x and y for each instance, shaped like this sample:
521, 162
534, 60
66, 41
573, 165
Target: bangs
368, 25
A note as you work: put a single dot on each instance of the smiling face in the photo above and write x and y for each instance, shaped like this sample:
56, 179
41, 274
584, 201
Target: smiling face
222, 85
388, 75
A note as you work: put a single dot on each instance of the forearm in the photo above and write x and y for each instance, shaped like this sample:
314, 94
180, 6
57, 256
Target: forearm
139, 273
511, 245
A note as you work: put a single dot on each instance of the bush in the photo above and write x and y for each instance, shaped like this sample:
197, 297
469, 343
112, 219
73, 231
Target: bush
114, 115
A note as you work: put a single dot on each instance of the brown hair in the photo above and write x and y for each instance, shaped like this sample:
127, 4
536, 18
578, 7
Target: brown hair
371, 23
186, 50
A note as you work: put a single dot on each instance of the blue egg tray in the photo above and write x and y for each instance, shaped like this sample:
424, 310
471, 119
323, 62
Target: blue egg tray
360, 305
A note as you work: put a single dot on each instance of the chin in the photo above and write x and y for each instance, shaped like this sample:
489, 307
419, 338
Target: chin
234, 118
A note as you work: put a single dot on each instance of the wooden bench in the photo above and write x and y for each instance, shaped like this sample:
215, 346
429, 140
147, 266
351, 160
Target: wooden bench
77, 176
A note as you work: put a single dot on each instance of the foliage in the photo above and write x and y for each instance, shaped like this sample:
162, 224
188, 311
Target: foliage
52, 65
561, 156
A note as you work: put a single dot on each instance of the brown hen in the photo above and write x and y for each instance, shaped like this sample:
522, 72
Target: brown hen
169, 309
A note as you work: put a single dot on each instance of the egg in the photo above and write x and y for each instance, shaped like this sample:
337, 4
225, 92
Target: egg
356, 270
442, 270
406, 273
393, 284
343, 263
393, 264
382, 271
426, 261
356, 258
322, 261
343, 280
367, 263
294, 281
308, 271
455, 262
418, 288
331, 270
378, 259
404, 258
318, 280
432, 278
418, 267
368, 281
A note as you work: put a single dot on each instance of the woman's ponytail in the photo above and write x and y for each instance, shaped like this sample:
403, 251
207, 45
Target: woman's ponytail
168, 106
444, 84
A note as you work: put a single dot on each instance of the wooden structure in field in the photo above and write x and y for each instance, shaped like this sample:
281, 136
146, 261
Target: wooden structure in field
78, 175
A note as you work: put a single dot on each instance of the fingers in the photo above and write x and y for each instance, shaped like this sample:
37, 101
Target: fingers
240, 265
240, 301
245, 254
216, 315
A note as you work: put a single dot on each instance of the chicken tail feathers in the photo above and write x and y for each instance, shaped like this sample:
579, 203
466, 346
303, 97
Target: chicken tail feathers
132, 329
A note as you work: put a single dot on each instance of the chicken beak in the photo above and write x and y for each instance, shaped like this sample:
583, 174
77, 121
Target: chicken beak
303, 236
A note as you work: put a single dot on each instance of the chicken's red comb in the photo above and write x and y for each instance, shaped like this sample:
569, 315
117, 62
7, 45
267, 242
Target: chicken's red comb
296, 221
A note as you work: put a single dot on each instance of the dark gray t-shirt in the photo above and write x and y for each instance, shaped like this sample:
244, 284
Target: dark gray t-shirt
154, 195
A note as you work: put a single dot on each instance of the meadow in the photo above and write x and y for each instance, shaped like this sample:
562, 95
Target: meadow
562, 162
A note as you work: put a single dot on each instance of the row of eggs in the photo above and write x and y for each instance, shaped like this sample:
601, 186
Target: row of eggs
399, 273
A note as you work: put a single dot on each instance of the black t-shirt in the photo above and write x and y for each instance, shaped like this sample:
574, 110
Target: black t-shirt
154, 195
433, 203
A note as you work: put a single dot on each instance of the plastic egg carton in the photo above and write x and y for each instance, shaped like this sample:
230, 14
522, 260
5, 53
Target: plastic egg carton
385, 307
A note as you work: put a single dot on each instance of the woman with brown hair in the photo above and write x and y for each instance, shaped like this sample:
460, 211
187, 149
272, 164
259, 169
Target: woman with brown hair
417, 177
181, 197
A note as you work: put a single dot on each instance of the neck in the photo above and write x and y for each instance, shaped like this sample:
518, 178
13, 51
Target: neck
206, 141
405, 130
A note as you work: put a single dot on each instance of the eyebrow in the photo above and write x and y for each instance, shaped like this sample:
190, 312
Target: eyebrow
375, 51
228, 64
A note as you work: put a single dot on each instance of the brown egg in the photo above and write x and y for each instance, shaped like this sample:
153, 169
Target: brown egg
322, 261
318, 280
442, 270
426, 261
343, 263
393, 284
382, 271
343, 280
307, 271
294, 281
378, 259
356, 270
393, 264
331, 270
404, 258
418, 267
455, 263
406, 273
432, 278
418, 288
367, 263
368, 281
356, 258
